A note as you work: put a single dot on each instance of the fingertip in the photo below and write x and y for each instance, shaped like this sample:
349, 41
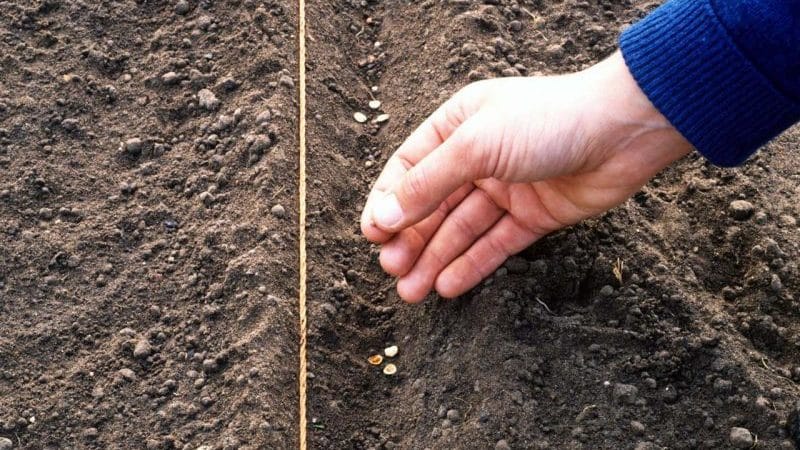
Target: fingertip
449, 284
411, 291
387, 214
372, 232
394, 259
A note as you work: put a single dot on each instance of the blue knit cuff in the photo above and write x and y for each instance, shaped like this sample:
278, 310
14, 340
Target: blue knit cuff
686, 63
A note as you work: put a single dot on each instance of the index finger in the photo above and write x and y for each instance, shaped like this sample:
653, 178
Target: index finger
427, 137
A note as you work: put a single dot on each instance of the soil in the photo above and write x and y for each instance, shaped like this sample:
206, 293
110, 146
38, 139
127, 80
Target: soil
148, 245
147, 277
699, 335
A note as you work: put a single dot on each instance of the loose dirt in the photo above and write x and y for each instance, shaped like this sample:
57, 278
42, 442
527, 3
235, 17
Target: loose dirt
148, 202
698, 339
148, 245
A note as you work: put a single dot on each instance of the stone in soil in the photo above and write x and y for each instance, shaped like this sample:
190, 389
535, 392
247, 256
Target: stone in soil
502, 444
143, 349
741, 438
6, 443
182, 7
278, 211
741, 209
625, 393
206, 99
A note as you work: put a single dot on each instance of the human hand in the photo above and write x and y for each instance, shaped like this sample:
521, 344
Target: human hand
506, 161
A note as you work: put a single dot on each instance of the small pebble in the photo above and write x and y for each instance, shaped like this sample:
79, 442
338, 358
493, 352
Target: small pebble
278, 211
741, 209
391, 352
170, 78
741, 438
127, 374
142, 349
182, 8
134, 146
625, 393
360, 117
207, 100
6, 443
502, 444
453, 415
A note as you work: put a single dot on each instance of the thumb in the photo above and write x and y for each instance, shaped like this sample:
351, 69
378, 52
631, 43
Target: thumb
460, 159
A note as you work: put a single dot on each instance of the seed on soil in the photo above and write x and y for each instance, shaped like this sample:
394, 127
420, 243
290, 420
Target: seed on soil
360, 117
374, 104
375, 360
381, 118
391, 351
390, 369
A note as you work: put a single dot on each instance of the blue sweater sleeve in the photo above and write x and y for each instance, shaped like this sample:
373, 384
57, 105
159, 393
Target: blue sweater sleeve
725, 73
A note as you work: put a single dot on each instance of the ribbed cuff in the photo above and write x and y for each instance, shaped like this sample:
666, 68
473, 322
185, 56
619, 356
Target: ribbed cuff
686, 63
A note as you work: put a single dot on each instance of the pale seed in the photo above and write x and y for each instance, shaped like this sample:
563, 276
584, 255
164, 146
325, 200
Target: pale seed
360, 117
390, 352
390, 369
375, 360
381, 118
374, 104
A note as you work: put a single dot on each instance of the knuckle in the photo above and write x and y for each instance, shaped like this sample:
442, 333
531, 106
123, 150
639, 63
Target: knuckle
463, 227
417, 184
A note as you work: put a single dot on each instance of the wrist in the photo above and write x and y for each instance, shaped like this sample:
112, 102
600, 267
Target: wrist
631, 125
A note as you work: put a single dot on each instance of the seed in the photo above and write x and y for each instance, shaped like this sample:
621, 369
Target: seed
390, 369
375, 104
375, 360
381, 118
391, 352
360, 117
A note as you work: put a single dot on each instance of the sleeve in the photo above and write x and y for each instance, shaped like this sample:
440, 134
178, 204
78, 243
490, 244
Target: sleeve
725, 73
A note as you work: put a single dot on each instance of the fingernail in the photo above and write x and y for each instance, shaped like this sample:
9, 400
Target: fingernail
387, 212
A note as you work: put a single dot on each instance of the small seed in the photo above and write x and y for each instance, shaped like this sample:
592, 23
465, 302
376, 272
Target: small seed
375, 360
390, 369
381, 118
360, 117
375, 104
390, 352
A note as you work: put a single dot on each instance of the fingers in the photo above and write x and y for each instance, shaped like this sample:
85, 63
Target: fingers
400, 253
506, 238
476, 214
429, 136
457, 161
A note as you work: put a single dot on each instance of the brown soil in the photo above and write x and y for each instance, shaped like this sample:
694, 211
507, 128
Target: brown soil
148, 277
147, 292
553, 351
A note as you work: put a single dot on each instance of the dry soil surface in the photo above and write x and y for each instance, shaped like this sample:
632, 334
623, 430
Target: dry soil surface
147, 274
697, 338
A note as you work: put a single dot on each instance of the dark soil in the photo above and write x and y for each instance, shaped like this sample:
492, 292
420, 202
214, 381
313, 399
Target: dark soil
148, 245
147, 290
700, 336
